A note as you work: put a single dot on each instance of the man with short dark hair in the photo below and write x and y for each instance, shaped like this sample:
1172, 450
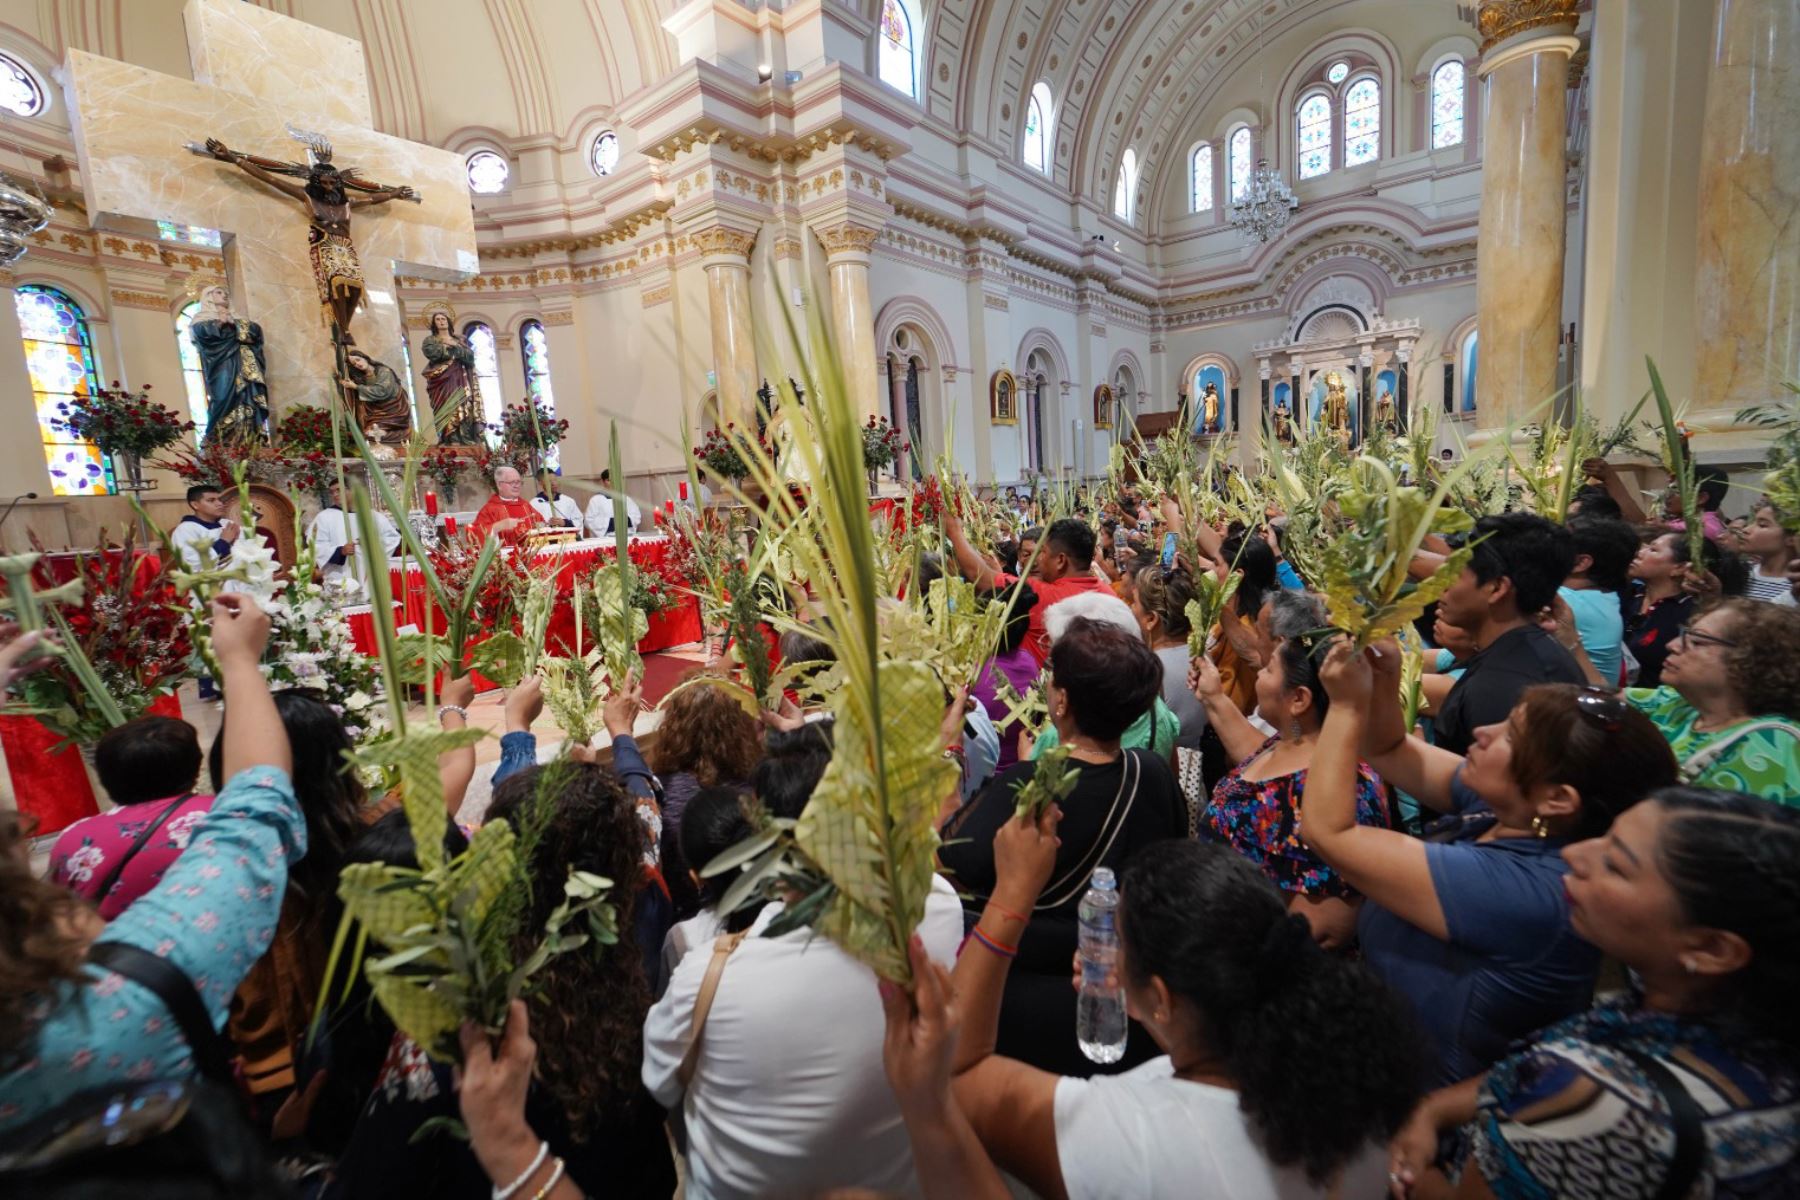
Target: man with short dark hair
1520, 559
601, 506
206, 527
1064, 567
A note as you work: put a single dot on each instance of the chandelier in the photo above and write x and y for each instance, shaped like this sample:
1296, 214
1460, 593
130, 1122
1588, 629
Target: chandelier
1266, 205
23, 211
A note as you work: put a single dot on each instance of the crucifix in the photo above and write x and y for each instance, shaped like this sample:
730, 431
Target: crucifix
257, 75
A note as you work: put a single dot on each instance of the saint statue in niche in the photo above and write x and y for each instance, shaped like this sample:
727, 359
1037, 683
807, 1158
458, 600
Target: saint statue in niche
1284, 424
231, 367
1337, 405
1209, 409
329, 193
450, 381
1385, 418
379, 400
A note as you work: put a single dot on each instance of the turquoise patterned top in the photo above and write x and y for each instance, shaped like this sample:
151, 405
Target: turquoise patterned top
213, 915
1765, 761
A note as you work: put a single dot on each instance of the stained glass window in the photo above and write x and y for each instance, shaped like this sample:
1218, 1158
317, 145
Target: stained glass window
1240, 163
1200, 175
1447, 105
169, 231
898, 65
1313, 120
1362, 122
191, 376
605, 156
1126, 192
1339, 72
487, 370
1037, 129
59, 355
536, 350
19, 91
487, 173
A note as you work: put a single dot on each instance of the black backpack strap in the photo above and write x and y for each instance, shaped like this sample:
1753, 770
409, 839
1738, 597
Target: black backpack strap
1690, 1135
143, 838
212, 1054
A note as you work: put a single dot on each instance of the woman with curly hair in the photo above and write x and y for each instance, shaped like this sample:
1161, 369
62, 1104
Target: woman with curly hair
586, 1012
1730, 699
706, 739
1283, 1070
1159, 600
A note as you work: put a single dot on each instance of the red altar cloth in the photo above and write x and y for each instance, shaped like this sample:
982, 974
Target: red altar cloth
675, 627
51, 785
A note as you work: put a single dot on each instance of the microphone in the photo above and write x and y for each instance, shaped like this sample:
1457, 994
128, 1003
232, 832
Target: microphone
14, 504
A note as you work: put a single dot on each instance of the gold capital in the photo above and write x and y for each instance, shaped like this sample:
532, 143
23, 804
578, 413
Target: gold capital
1502, 19
722, 239
849, 238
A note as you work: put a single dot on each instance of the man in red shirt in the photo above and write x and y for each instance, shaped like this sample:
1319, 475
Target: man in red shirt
1064, 567
507, 513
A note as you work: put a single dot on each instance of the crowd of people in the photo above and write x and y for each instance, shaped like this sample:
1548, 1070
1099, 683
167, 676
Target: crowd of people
1533, 940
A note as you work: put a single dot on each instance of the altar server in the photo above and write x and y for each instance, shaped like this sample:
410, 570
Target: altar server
558, 508
600, 510
334, 542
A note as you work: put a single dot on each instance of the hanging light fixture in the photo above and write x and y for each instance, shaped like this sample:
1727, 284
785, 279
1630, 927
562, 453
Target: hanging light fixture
1266, 206
23, 211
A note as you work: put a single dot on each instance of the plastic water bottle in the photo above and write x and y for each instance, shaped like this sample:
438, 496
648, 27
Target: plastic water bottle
1100, 1005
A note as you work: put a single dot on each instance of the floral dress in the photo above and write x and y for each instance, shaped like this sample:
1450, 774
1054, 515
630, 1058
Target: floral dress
88, 851
213, 915
1260, 819
1572, 1116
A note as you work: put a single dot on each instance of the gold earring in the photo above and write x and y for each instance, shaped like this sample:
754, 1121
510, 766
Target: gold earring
1540, 827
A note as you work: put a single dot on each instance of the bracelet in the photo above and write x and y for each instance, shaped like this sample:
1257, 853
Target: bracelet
1000, 948
505, 1193
1007, 912
555, 1178
458, 709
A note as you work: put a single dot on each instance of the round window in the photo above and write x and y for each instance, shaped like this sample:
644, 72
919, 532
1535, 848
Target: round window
487, 172
605, 154
1339, 72
19, 90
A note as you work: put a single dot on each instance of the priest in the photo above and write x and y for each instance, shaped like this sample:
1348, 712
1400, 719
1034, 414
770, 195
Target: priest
334, 540
507, 513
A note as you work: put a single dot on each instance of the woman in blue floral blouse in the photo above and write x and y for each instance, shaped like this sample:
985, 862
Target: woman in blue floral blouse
1687, 1084
66, 1028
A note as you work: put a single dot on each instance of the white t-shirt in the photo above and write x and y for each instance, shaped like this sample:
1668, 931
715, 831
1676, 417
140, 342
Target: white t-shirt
600, 512
789, 1097
1146, 1135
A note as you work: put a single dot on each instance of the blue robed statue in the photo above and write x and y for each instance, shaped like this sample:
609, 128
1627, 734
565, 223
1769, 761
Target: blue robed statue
232, 367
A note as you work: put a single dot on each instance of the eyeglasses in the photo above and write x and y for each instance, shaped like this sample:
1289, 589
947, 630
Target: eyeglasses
1687, 633
1605, 709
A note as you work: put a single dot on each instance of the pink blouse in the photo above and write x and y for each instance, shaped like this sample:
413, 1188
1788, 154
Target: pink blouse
87, 851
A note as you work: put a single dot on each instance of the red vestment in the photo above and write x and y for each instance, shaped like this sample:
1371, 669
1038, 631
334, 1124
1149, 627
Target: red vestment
497, 509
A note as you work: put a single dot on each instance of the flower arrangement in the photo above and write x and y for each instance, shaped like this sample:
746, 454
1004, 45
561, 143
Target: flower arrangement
216, 464
310, 471
529, 431
121, 421
722, 453
446, 467
125, 638
310, 647
304, 427
881, 444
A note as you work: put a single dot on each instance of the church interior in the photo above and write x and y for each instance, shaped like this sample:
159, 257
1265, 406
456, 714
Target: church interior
1027, 225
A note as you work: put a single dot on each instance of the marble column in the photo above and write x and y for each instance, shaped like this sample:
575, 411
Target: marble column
1747, 294
725, 254
1402, 406
1524, 202
847, 254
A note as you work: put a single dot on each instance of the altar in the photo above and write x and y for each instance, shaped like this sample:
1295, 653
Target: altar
676, 626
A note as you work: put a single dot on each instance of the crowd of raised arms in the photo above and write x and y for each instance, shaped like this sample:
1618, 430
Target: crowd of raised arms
1502, 900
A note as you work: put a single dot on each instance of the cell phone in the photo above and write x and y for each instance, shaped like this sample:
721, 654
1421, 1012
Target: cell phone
1168, 551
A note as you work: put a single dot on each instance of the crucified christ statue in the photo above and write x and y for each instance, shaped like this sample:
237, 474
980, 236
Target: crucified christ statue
329, 193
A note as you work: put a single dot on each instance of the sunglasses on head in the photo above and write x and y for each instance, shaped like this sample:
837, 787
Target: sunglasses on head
1604, 708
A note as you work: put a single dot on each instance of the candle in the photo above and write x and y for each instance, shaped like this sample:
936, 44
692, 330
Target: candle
449, 526
655, 517
669, 507
684, 491
431, 503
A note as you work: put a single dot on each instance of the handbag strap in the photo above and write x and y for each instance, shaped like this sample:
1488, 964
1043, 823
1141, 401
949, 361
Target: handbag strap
212, 1054
143, 837
703, 1002
1690, 1136
1698, 762
1063, 890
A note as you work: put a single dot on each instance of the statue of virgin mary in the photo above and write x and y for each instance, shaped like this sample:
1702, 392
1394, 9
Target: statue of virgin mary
231, 366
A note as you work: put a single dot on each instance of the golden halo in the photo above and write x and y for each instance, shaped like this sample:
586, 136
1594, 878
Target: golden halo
201, 281
440, 306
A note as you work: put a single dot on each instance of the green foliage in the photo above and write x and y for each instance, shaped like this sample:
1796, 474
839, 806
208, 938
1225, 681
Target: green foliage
1782, 482
1205, 609
1051, 780
1678, 461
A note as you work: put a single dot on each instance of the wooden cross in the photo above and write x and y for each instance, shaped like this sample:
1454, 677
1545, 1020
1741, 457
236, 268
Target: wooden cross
255, 73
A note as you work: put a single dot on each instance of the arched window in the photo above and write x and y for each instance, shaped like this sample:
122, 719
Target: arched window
487, 173
604, 156
1312, 122
534, 350
1471, 364
191, 376
1125, 193
1362, 122
19, 89
899, 62
1200, 177
487, 369
1240, 163
1038, 113
59, 355
1447, 105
